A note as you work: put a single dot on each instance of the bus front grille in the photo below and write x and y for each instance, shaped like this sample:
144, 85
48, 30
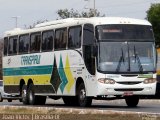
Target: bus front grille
128, 83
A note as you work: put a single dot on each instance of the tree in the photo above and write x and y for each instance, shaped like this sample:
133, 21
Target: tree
153, 15
65, 13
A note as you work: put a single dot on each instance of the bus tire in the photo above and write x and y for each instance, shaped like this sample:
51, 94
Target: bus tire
1, 98
83, 100
24, 95
9, 100
31, 95
132, 101
33, 99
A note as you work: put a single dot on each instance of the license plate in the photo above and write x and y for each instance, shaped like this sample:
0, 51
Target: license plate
128, 93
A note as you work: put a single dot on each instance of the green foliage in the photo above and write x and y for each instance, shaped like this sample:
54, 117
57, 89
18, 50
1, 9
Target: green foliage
153, 15
65, 13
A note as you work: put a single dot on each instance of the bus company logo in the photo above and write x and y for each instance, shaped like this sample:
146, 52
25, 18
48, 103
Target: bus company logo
30, 60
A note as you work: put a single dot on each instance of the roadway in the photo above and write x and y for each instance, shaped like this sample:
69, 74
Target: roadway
148, 106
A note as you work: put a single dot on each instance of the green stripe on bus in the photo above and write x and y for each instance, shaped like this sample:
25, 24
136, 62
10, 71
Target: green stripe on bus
31, 70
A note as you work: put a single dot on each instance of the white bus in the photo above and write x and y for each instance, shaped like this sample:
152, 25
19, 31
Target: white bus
80, 59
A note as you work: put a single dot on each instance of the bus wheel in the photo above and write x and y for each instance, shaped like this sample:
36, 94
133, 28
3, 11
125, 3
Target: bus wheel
83, 100
9, 100
31, 95
132, 101
1, 98
24, 95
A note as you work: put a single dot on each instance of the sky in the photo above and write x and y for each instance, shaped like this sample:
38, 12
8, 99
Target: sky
31, 11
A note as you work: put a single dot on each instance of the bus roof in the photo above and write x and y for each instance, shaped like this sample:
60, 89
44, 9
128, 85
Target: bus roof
77, 21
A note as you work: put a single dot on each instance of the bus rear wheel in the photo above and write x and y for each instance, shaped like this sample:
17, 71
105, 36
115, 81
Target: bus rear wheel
24, 95
33, 99
132, 101
83, 100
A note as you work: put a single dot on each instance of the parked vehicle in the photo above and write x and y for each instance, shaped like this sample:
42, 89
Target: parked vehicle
1, 90
4, 95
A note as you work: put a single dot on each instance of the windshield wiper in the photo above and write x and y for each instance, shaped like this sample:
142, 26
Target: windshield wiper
120, 61
138, 60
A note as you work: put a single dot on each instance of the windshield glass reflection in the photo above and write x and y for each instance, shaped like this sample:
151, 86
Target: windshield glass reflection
126, 57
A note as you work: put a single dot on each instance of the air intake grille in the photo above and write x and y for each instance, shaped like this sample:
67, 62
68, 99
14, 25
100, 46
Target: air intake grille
134, 89
128, 83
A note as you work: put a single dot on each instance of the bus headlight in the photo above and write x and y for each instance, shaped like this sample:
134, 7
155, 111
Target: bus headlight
149, 80
106, 81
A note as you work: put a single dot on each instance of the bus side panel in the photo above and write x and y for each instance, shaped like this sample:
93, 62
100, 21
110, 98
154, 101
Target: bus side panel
67, 66
51, 72
71, 66
36, 67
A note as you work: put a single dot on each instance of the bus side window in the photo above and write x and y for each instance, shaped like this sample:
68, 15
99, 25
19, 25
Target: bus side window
60, 39
88, 42
47, 40
35, 42
5, 46
12, 48
24, 43
74, 37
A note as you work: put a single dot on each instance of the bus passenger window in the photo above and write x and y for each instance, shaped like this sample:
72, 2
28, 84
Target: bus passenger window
61, 38
74, 37
23, 43
12, 48
5, 46
47, 41
35, 42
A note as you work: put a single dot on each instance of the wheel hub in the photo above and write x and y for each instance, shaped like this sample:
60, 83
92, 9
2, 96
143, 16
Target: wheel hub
31, 96
24, 94
82, 95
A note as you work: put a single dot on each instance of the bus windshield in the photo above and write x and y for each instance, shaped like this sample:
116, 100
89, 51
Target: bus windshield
123, 32
126, 57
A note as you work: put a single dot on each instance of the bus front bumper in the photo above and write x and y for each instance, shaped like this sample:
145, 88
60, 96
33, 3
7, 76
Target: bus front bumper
126, 90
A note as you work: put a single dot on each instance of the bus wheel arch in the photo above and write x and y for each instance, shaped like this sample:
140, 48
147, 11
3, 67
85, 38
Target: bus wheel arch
78, 82
24, 91
22, 82
29, 82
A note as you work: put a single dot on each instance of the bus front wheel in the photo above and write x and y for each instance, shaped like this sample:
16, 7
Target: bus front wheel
132, 101
83, 100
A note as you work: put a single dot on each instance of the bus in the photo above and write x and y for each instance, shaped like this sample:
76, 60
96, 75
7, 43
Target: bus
81, 59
